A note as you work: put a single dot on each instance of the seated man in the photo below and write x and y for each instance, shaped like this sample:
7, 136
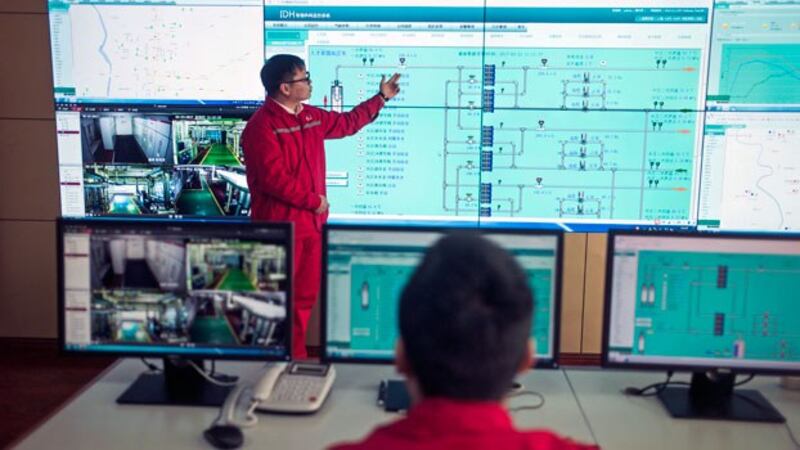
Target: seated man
465, 320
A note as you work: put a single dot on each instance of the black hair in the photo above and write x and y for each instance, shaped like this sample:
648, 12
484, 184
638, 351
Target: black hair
465, 319
279, 69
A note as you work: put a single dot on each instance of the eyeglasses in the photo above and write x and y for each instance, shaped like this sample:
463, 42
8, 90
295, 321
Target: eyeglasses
307, 79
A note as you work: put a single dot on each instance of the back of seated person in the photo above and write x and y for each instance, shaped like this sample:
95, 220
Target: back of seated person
465, 319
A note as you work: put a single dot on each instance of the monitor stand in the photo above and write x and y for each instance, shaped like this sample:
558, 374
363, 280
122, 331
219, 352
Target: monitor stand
711, 395
178, 384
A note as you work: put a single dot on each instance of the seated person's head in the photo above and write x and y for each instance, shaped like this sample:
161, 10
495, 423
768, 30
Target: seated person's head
465, 320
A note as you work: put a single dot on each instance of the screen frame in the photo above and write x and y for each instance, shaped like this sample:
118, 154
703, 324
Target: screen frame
546, 363
606, 362
214, 353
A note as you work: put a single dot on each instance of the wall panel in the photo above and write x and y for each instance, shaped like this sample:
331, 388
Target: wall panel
572, 292
23, 6
29, 185
594, 291
27, 279
25, 74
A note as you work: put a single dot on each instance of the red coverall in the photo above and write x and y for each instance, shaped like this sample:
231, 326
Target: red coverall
442, 424
285, 162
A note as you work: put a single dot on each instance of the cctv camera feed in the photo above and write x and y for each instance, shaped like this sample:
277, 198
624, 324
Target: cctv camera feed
153, 164
154, 290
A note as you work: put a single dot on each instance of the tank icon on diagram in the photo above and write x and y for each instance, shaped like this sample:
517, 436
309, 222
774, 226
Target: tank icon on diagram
738, 348
337, 96
364, 295
648, 294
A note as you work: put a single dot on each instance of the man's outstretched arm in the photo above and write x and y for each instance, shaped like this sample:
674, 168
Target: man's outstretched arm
339, 125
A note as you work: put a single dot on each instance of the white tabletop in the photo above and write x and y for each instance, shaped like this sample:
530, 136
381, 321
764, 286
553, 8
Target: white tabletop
95, 420
622, 422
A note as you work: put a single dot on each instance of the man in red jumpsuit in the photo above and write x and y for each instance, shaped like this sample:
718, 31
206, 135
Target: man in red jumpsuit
465, 320
285, 161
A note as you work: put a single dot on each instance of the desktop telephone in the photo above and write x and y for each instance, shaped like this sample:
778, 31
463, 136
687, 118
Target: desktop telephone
299, 388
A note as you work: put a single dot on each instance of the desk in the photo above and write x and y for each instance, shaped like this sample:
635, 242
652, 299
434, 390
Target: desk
621, 421
95, 420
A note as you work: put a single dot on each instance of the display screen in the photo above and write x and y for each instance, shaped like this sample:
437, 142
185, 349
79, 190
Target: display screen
151, 163
694, 302
176, 52
577, 115
366, 270
510, 111
214, 290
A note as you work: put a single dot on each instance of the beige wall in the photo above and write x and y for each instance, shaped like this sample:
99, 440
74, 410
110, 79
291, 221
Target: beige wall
29, 198
582, 290
29, 185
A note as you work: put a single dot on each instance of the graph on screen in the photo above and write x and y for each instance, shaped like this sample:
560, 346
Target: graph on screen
760, 73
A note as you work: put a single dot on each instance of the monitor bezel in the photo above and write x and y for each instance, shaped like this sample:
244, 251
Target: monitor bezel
213, 353
546, 363
667, 366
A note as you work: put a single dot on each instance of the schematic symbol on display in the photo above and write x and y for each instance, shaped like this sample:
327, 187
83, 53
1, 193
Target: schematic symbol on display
364, 295
337, 96
738, 348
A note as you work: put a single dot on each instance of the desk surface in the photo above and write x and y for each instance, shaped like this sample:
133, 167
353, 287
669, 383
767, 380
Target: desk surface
621, 421
95, 420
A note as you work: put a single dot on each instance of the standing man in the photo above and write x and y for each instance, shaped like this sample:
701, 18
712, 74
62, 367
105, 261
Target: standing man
285, 161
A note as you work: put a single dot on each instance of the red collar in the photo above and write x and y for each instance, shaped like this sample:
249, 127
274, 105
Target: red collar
456, 416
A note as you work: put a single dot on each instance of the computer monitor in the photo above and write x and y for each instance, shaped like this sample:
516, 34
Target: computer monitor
366, 267
714, 305
183, 291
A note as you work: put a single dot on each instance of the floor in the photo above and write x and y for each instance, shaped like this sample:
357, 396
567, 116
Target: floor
127, 150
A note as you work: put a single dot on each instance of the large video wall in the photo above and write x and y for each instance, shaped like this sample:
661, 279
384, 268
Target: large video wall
575, 114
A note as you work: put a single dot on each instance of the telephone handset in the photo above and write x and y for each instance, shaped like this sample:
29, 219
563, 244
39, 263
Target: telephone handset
266, 383
238, 410
280, 387
240, 405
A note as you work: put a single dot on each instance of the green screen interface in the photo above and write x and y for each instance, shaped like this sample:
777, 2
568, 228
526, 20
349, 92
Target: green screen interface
366, 273
706, 301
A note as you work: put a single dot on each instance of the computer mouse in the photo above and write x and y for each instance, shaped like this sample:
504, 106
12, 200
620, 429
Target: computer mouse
224, 436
